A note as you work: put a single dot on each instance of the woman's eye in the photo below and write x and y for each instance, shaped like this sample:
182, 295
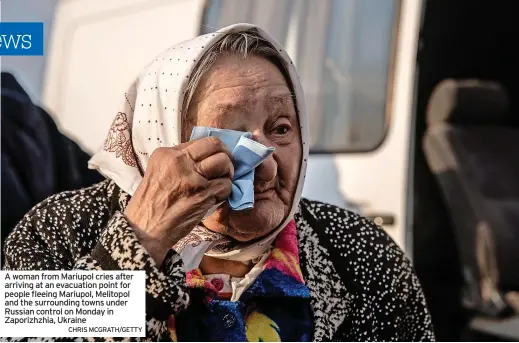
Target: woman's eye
281, 130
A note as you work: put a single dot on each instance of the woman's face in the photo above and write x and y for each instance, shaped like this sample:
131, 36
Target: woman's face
252, 95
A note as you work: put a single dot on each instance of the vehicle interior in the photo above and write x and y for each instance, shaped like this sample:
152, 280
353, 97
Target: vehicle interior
466, 172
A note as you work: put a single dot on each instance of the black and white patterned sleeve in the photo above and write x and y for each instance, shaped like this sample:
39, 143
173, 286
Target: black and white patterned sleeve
119, 249
386, 299
70, 234
414, 324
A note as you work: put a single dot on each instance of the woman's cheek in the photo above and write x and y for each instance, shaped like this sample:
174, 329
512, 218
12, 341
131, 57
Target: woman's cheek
283, 141
289, 162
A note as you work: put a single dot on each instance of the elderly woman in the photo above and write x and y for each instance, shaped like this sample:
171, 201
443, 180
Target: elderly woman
271, 267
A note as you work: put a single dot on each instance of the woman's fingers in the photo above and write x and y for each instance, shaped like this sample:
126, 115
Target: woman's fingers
180, 184
215, 166
220, 188
205, 147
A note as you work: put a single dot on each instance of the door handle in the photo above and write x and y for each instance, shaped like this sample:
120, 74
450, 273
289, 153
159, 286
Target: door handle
381, 219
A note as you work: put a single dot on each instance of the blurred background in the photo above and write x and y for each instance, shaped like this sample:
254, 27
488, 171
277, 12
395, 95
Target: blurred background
413, 120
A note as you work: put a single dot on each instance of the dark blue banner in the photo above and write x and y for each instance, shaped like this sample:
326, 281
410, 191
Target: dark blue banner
21, 39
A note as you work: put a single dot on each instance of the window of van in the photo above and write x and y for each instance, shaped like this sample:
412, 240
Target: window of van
342, 50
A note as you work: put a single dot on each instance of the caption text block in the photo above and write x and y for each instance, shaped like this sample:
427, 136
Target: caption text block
72, 303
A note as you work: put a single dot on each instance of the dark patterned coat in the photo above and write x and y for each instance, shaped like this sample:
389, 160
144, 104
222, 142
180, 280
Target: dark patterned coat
363, 287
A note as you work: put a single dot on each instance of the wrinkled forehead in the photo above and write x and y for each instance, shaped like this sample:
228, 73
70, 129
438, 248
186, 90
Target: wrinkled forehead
234, 83
220, 103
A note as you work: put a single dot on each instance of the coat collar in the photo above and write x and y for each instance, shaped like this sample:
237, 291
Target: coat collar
281, 274
330, 300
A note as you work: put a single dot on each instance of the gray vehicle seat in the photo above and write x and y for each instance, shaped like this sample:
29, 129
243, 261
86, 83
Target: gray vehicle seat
472, 147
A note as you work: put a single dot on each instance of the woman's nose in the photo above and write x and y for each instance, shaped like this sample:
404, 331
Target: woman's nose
267, 170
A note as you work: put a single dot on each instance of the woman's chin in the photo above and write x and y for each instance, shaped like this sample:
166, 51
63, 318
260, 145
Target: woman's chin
248, 225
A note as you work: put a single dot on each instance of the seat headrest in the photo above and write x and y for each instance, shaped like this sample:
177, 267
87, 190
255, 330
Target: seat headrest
468, 102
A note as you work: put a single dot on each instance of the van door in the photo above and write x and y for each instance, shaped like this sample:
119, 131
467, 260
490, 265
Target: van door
96, 51
356, 59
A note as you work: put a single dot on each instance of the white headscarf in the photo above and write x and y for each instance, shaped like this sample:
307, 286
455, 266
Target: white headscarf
150, 117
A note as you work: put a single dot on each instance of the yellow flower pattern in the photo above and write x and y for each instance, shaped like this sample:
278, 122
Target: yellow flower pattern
260, 328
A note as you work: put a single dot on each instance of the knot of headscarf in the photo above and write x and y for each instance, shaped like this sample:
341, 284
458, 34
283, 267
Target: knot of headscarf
150, 117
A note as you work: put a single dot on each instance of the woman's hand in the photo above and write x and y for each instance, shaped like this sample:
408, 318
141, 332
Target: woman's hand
178, 188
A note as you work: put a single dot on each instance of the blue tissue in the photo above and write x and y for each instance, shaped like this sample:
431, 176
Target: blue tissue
247, 155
